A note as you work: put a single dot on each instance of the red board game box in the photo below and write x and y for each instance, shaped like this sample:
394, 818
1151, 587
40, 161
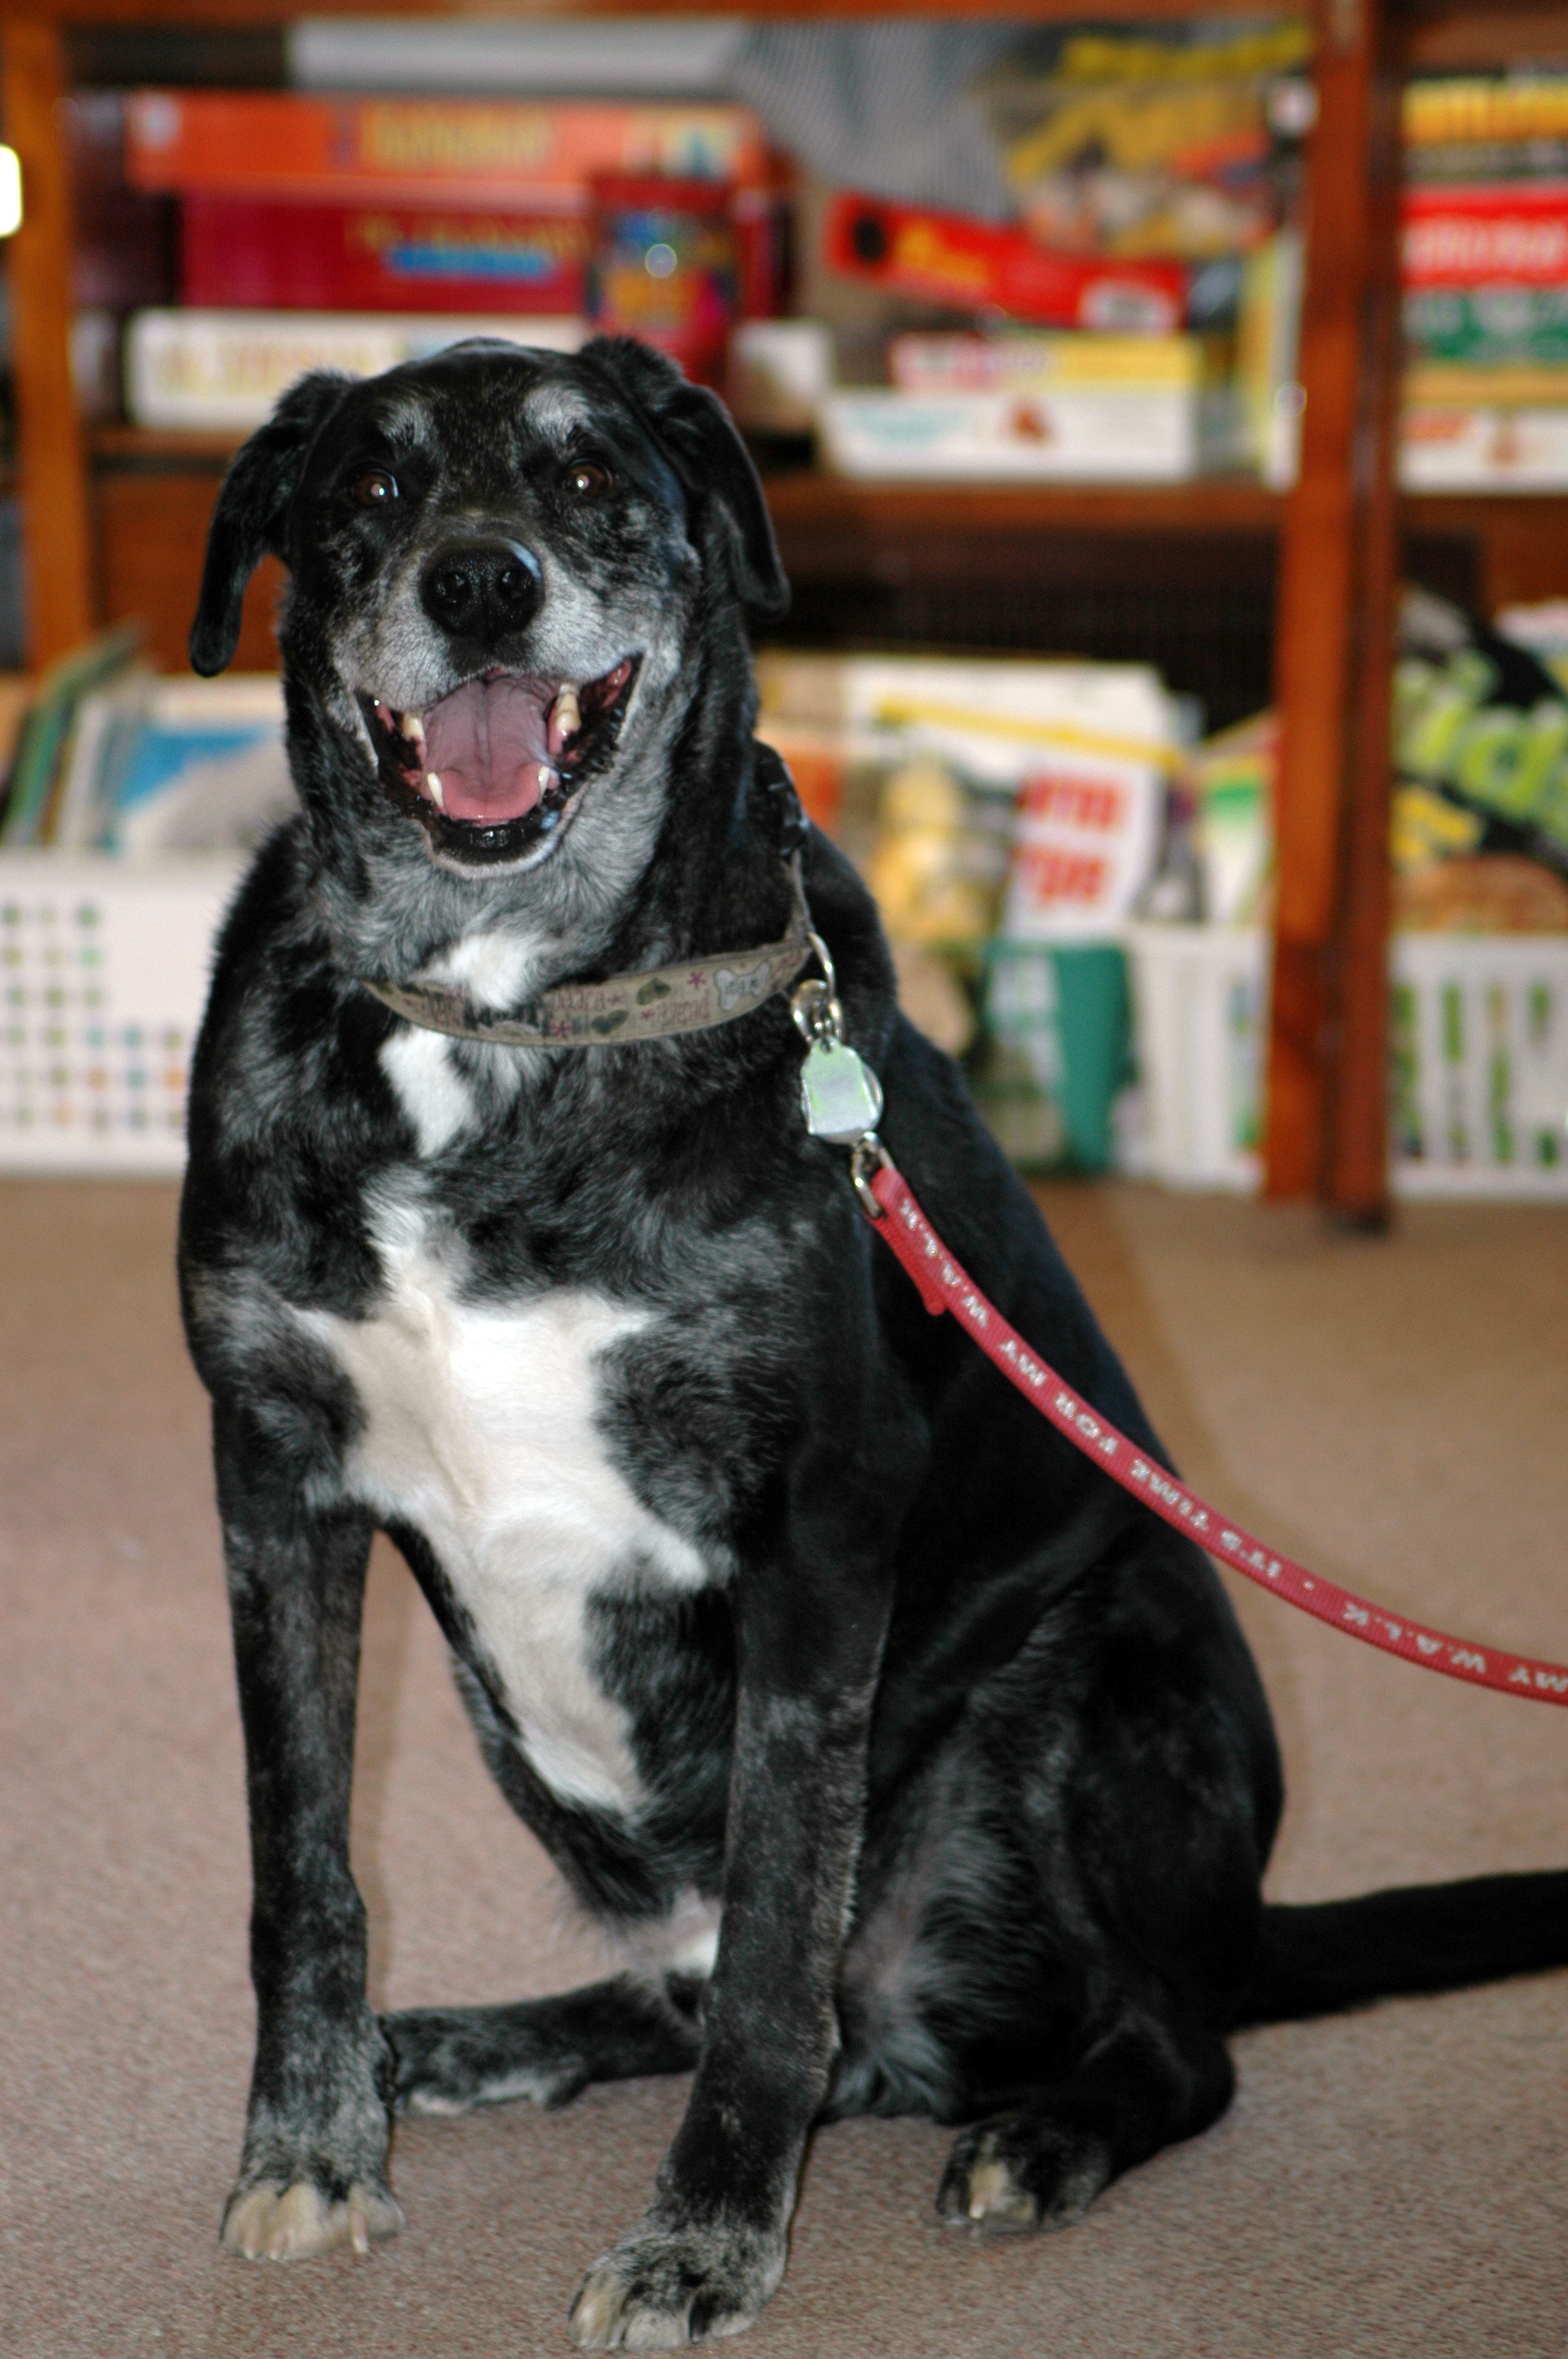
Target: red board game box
951, 259
1507, 234
245, 254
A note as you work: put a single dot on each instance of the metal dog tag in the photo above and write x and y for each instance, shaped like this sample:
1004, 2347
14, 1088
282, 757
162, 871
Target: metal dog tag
840, 1096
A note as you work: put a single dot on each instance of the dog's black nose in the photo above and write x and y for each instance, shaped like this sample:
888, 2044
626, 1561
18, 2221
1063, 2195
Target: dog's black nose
481, 590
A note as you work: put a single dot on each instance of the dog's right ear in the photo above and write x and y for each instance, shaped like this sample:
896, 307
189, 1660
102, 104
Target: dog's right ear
248, 521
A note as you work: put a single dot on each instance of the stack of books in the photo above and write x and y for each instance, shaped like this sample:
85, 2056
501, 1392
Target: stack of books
110, 758
1152, 182
358, 232
1486, 279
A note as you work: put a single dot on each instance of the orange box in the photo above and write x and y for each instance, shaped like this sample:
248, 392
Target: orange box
473, 152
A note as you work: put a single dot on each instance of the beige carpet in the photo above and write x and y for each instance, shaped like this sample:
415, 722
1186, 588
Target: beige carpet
1393, 1411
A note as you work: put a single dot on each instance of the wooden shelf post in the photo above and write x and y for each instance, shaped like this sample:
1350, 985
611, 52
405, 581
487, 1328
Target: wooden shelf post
60, 606
1327, 1119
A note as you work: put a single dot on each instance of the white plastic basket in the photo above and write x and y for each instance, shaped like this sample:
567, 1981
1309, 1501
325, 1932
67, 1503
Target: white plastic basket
1199, 1008
104, 963
1481, 1041
1480, 1058
104, 969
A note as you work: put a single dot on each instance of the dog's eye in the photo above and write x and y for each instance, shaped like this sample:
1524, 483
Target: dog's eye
588, 479
373, 490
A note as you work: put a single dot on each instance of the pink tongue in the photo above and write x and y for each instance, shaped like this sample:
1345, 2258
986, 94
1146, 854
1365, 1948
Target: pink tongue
486, 744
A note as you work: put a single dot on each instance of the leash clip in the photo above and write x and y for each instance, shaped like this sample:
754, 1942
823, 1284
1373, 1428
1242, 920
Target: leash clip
867, 1157
840, 1097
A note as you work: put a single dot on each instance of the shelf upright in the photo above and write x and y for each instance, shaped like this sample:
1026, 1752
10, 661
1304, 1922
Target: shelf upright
1326, 1134
53, 478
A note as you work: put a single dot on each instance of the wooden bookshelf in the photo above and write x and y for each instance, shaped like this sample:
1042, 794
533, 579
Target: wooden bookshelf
122, 520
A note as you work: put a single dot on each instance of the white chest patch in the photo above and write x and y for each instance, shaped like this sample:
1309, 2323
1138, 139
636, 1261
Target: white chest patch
481, 1431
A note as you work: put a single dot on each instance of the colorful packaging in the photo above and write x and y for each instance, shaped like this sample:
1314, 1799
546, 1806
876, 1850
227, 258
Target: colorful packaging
1055, 1052
950, 259
1267, 347
1080, 433
1510, 384
1477, 446
1167, 145
1458, 109
1480, 893
1515, 235
507, 154
252, 252
1077, 752
1051, 364
1231, 777
1480, 744
941, 854
1489, 327
215, 370
946, 763
665, 267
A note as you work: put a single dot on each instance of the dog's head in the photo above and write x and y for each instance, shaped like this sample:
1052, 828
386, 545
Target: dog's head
500, 562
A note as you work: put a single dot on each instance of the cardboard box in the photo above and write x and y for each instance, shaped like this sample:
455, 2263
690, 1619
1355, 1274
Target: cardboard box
1446, 447
1125, 434
216, 369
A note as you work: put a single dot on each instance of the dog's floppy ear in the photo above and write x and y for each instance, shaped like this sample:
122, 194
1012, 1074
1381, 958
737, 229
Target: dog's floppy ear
693, 429
247, 523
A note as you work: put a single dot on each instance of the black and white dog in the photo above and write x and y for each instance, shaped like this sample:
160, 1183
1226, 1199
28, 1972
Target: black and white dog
914, 1767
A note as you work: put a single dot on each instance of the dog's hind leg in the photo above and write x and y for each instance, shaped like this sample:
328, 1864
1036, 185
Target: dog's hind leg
447, 2060
1145, 2086
1052, 1947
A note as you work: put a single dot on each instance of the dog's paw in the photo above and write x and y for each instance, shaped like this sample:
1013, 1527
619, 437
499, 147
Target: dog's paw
269, 2222
447, 2060
1021, 2172
662, 2287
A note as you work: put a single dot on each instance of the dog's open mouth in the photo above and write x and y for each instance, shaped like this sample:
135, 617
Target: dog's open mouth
489, 770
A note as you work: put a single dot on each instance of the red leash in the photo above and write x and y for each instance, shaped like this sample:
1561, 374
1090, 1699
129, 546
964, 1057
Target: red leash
944, 1286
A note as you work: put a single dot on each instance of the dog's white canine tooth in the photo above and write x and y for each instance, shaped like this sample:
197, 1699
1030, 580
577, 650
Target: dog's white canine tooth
568, 714
435, 790
547, 779
412, 726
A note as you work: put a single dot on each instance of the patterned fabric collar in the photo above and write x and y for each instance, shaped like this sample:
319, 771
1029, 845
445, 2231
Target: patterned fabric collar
690, 997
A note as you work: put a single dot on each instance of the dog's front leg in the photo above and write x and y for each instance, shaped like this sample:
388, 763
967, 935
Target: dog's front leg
710, 2249
313, 2170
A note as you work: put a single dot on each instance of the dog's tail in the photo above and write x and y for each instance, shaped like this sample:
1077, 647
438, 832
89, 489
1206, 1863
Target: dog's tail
1425, 1937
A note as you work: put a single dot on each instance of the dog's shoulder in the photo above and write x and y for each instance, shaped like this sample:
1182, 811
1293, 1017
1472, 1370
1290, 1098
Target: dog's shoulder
289, 1111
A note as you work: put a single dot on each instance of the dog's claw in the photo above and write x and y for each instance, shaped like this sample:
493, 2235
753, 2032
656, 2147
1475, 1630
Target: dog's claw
1011, 2177
660, 2288
272, 2222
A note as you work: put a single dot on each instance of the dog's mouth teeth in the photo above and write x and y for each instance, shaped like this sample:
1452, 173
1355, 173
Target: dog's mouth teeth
494, 763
